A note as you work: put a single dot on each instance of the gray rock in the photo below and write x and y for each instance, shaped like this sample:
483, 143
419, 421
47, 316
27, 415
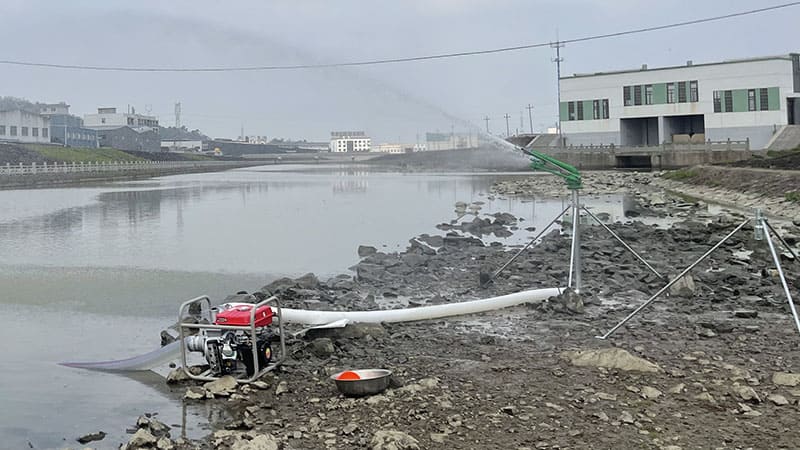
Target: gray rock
322, 347
778, 399
279, 285
786, 379
393, 440
177, 375
684, 287
745, 314
222, 387
142, 438
366, 250
610, 358
195, 393
746, 393
91, 437
307, 281
282, 388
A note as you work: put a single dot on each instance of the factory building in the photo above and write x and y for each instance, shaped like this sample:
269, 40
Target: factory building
751, 99
19, 125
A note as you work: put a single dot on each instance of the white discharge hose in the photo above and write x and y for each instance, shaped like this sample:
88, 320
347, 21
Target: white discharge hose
170, 352
421, 313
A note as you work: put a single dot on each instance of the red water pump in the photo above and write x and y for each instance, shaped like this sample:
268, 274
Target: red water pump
233, 335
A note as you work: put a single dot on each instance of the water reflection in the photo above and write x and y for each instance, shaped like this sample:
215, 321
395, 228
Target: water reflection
252, 221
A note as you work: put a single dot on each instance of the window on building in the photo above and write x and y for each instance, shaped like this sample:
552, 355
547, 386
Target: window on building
764, 94
35, 132
637, 95
626, 93
728, 101
682, 92
670, 92
605, 108
694, 95
571, 111
24, 131
44, 132
717, 102
580, 110
2, 130
596, 109
751, 99
12, 131
648, 94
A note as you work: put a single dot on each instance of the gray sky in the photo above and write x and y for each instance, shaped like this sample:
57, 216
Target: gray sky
390, 102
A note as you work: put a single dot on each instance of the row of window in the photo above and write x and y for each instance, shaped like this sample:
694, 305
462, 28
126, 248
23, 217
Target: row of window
24, 131
757, 100
576, 110
656, 94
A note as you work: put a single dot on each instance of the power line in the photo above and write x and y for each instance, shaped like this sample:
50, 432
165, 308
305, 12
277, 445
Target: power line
397, 60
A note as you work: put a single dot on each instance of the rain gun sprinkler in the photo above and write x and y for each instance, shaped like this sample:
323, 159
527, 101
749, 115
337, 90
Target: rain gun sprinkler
572, 177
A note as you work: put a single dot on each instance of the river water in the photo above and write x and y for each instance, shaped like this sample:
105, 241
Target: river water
95, 272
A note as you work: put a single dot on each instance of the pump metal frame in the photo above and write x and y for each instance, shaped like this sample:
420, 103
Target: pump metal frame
258, 371
762, 231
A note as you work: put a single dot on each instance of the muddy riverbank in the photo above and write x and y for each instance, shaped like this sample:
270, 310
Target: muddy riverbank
714, 365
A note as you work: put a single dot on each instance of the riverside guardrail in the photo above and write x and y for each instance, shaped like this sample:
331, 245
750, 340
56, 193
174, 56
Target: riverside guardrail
106, 166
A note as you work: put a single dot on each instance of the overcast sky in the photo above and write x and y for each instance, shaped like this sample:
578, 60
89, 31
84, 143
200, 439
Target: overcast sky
389, 102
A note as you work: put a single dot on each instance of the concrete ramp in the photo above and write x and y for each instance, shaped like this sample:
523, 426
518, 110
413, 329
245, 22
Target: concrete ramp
787, 138
544, 141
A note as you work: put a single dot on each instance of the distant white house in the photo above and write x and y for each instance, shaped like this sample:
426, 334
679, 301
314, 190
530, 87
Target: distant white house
109, 119
18, 125
350, 141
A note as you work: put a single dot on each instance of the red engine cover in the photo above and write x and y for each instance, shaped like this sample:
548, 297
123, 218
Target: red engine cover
240, 316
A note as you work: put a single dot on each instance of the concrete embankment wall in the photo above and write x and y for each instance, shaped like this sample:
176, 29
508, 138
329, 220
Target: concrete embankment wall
586, 159
59, 179
599, 160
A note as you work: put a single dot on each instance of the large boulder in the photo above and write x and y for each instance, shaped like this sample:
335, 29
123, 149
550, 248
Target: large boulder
366, 250
307, 281
610, 358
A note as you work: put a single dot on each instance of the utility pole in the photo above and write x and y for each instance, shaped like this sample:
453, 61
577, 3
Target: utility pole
508, 132
558, 45
177, 114
487, 124
530, 115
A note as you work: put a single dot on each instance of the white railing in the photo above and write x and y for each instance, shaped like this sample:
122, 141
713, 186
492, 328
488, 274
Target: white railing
104, 166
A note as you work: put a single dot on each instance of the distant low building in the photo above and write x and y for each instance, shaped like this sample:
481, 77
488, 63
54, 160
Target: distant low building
67, 129
451, 141
19, 125
398, 148
109, 118
350, 141
127, 138
183, 146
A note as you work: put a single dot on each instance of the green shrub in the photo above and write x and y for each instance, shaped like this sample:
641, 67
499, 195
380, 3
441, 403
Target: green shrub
681, 174
793, 196
76, 154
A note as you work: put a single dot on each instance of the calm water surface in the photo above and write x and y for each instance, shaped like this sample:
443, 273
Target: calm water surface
91, 273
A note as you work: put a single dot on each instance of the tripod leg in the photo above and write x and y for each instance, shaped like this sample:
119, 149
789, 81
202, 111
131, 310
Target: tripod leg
624, 244
541, 233
777, 261
669, 285
780, 238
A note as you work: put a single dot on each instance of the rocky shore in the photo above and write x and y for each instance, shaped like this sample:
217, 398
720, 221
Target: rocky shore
713, 365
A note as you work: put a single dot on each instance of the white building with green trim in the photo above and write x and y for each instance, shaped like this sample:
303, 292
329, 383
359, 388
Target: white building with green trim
737, 100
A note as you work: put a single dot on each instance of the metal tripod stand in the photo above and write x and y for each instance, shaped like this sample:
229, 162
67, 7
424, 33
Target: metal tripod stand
575, 260
762, 232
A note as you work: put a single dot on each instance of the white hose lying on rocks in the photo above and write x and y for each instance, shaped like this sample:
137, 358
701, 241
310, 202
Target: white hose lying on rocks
322, 318
420, 313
